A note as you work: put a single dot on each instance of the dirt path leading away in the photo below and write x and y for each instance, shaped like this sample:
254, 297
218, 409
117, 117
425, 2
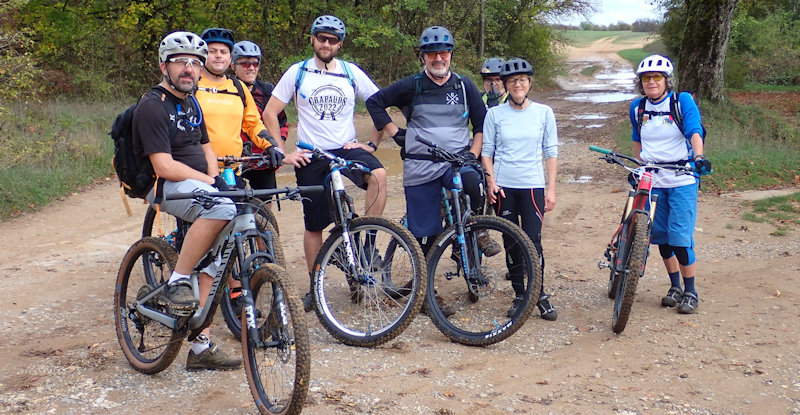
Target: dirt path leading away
739, 354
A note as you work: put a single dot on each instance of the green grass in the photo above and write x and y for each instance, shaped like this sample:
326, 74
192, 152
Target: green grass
585, 37
634, 56
50, 150
781, 211
749, 86
589, 70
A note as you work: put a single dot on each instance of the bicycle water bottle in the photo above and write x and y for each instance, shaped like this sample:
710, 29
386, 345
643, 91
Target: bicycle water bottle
229, 176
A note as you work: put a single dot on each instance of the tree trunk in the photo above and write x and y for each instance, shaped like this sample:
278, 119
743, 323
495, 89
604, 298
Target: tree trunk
705, 44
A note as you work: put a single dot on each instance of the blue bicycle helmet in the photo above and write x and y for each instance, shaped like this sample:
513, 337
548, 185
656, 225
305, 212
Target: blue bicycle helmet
329, 24
492, 66
218, 34
515, 66
436, 38
244, 49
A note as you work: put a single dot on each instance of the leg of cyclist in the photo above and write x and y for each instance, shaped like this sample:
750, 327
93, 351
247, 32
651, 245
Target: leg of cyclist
532, 213
474, 187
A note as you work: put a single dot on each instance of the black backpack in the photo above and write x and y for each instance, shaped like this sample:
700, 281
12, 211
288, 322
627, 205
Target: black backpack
136, 175
674, 112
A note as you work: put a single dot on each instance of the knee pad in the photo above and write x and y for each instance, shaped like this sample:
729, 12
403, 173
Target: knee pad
666, 251
685, 255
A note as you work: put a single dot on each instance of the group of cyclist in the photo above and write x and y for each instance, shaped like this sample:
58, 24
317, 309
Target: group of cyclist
513, 138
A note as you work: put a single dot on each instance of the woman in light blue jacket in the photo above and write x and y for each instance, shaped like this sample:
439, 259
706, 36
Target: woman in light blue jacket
517, 136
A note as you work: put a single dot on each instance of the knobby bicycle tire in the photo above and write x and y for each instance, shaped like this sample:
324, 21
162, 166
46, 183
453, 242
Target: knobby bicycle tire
478, 317
148, 345
378, 306
231, 318
613, 276
278, 374
635, 263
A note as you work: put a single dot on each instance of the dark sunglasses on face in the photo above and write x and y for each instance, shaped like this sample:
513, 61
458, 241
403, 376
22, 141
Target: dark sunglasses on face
443, 53
333, 41
248, 65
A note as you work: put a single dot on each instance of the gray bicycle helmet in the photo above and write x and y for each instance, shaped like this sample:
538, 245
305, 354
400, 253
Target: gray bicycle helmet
244, 49
329, 24
492, 66
515, 66
182, 43
436, 38
218, 34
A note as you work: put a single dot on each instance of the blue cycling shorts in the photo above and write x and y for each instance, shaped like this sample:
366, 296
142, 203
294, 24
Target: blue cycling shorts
676, 215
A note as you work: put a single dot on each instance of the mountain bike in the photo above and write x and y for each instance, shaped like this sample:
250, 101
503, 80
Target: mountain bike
364, 293
156, 222
275, 343
469, 283
626, 254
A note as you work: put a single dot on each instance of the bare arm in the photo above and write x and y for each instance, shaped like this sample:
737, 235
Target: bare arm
270, 116
637, 149
550, 189
477, 143
492, 189
697, 144
169, 169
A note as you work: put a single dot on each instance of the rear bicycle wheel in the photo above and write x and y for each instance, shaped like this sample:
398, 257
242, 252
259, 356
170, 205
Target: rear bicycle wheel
173, 228
635, 263
278, 363
148, 345
477, 306
380, 301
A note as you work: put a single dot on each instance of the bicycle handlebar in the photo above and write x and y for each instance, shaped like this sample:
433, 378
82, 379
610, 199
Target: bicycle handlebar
460, 159
338, 161
291, 192
613, 157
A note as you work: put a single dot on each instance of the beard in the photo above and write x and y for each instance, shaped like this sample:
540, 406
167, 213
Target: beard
439, 72
183, 85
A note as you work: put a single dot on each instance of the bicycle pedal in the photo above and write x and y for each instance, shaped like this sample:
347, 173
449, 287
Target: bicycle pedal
603, 264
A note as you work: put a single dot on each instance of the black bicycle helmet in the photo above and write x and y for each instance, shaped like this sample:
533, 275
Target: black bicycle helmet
515, 66
218, 34
492, 66
436, 38
329, 24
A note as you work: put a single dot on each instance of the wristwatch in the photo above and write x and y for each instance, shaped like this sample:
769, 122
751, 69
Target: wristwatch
371, 144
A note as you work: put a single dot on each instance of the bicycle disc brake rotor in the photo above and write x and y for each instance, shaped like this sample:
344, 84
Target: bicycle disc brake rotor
482, 280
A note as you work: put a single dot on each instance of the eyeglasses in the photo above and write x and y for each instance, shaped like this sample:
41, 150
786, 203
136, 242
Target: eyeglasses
443, 53
194, 63
248, 65
496, 81
657, 77
333, 41
519, 81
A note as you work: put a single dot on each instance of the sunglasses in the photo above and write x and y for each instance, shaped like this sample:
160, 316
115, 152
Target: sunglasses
443, 53
656, 77
248, 65
194, 63
333, 41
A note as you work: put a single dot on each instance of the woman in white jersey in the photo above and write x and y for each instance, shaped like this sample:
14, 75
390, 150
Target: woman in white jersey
660, 139
515, 135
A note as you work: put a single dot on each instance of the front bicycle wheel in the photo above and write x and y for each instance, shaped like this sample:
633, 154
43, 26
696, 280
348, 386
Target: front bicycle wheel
613, 276
173, 229
634, 269
230, 310
379, 300
476, 310
278, 362
148, 345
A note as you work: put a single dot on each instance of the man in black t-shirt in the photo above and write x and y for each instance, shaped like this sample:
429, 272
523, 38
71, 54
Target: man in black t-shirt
168, 129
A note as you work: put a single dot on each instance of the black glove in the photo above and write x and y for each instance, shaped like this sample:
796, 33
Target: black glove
221, 184
400, 137
632, 180
702, 166
275, 156
470, 156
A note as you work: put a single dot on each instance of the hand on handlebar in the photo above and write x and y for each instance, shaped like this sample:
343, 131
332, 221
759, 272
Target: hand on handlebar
275, 155
221, 184
299, 158
702, 166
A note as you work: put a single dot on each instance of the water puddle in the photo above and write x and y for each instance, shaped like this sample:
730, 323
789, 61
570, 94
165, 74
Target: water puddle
590, 117
594, 126
580, 179
602, 97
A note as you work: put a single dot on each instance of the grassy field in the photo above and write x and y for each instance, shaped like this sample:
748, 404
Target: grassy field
585, 37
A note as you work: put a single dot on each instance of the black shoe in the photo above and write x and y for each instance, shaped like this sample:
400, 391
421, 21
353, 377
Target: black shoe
179, 295
547, 311
673, 297
515, 305
444, 308
688, 303
308, 302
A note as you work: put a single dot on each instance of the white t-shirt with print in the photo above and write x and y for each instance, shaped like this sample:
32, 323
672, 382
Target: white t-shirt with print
325, 103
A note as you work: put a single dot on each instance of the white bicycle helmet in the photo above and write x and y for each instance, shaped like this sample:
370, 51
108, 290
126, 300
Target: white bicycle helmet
655, 63
182, 43
247, 49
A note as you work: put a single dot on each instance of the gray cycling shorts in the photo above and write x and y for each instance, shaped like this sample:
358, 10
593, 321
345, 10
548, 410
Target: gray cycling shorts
189, 209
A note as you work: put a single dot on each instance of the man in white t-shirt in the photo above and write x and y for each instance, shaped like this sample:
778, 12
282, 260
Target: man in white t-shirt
325, 91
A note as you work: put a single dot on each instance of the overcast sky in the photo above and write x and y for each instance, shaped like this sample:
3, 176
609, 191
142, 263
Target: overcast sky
613, 11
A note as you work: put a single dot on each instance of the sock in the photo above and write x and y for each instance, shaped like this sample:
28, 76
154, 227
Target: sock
175, 277
200, 344
688, 283
675, 279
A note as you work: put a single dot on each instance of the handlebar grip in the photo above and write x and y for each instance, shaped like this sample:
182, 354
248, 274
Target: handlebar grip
426, 142
311, 189
600, 149
305, 146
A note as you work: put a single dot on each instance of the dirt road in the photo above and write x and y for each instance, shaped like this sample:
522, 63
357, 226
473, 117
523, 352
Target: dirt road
738, 355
